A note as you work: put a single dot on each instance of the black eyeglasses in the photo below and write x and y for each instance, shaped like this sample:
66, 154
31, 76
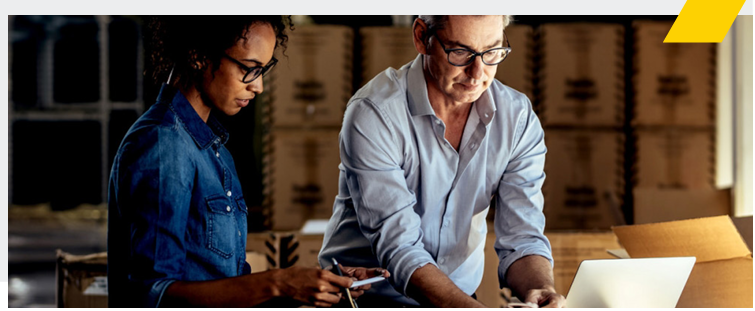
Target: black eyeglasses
461, 57
255, 72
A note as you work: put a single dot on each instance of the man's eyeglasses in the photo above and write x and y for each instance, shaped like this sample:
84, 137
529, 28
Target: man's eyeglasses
255, 72
461, 57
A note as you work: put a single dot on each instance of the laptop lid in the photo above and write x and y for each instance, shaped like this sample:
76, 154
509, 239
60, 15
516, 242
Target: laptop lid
629, 283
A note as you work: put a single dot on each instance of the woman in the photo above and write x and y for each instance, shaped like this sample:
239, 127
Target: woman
177, 218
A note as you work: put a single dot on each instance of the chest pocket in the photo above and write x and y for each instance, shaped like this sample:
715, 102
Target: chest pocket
221, 225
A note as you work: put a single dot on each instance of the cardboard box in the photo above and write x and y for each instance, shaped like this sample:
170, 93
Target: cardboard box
569, 249
262, 251
744, 226
582, 74
81, 281
302, 176
384, 47
675, 158
722, 275
675, 83
657, 205
584, 182
517, 70
313, 82
278, 250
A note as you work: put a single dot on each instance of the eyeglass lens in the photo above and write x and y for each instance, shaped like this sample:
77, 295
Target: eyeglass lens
257, 71
463, 57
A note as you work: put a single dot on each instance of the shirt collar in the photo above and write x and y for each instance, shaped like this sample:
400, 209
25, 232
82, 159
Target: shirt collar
485, 107
204, 134
419, 102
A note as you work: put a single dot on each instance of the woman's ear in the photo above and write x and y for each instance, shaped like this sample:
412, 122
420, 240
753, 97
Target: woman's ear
419, 31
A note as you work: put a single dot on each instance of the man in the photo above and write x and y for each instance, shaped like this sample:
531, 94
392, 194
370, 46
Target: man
423, 150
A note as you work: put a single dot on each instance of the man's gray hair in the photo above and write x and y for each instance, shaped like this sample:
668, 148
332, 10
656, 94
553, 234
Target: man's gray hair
438, 22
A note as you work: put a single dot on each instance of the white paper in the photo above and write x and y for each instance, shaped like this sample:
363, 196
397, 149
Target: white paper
98, 288
367, 281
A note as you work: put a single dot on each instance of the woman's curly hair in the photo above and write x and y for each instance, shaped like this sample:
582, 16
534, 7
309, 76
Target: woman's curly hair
185, 44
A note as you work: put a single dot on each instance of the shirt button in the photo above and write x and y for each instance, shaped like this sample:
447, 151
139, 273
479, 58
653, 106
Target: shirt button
441, 261
446, 223
239, 232
437, 121
228, 208
228, 193
472, 146
486, 115
217, 154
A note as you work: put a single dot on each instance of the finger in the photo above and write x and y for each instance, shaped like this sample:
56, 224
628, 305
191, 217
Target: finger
326, 287
320, 304
557, 301
553, 300
347, 270
327, 297
379, 272
533, 297
362, 288
550, 304
342, 281
356, 293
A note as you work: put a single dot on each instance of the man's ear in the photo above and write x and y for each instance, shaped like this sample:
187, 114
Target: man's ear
419, 31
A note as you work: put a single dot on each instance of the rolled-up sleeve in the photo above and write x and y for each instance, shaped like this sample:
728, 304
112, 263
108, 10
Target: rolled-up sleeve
384, 205
519, 219
155, 194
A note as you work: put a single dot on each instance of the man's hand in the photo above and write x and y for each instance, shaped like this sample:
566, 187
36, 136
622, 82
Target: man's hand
545, 298
531, 279
359, 273
320, 288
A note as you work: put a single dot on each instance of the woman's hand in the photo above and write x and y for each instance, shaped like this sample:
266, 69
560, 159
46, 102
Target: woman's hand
320, 288
359, 273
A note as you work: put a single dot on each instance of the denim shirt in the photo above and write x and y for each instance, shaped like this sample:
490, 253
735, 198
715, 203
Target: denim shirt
175, 206
407, 198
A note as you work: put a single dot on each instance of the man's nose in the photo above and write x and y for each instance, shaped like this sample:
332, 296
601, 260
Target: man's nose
476, 69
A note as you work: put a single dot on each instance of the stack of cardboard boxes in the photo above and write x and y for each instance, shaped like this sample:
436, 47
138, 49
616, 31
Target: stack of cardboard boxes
518, 69
306, 97
581, 106
674, 128
384, 47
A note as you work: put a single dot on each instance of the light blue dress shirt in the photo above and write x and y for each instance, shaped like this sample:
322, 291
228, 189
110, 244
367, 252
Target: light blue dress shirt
407, 198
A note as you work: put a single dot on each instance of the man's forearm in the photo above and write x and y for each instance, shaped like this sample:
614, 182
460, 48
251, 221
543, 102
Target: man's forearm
243, 291
429, 285
530, 272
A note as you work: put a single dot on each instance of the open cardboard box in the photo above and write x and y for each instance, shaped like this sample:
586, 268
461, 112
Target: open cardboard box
722, 275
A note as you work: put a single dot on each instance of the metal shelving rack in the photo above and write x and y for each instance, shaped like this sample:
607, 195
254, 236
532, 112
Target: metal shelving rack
47, 109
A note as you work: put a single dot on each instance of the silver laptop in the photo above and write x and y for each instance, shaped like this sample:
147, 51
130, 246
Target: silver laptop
629, 283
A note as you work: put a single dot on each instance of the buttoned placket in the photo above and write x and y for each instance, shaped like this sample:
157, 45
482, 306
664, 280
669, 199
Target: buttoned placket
453, 157
463, 157
226, 185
